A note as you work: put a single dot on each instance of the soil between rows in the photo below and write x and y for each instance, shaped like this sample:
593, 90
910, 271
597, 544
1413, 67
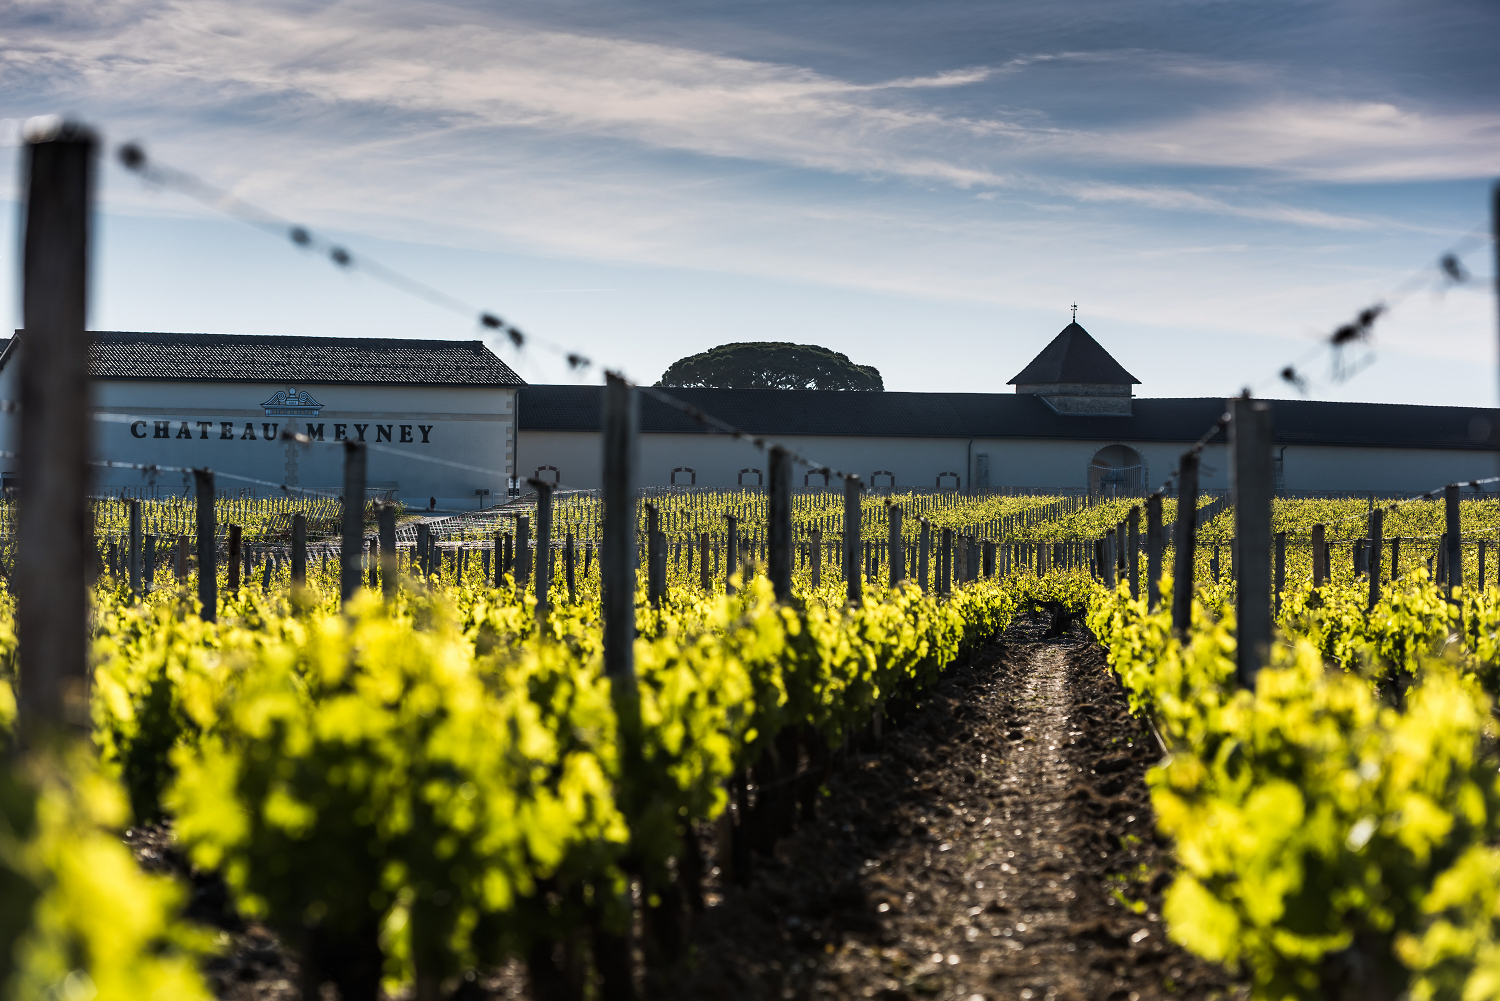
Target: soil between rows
996, 843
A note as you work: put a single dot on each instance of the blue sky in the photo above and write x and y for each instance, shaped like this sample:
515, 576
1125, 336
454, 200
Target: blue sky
924, 186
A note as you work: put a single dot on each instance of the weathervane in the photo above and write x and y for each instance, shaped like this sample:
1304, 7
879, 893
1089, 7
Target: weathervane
1075, 312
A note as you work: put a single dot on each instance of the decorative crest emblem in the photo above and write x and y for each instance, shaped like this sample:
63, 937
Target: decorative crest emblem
290, 403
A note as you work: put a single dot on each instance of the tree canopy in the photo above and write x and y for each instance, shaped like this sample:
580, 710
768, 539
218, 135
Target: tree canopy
771, 365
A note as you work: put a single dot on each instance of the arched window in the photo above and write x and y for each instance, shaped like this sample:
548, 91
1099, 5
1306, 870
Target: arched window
883, 472
692, 476
745, 472
953, 486
556, 476
807, 480
1117, 471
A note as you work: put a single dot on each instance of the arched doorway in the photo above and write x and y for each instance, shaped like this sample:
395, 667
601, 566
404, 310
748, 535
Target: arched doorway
1117, 471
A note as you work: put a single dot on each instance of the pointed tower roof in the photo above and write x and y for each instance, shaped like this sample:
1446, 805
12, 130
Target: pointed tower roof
1074, 357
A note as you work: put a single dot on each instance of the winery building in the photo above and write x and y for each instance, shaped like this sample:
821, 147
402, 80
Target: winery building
439, 415
1072, 423
449, 422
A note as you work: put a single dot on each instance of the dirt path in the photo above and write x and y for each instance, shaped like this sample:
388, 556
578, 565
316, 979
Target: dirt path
997, 844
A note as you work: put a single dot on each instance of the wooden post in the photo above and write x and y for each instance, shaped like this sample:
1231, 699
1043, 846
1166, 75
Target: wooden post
208, 556
1396, 559
779, 527
1377, 549
1319, 554
704, 570
1252, 469
1153, 551
731, 553
499, 568
135, 549
924, 553
1479, 581
1134, 539
1455, 579
543, 490
523, 554
897, 545
656, 576
299, 549
945, 564
1111, 559
817, 557
617, 544
372, 573
852, 525
53, 525
1280, 569
1185, 544
352, 544
385, 519
234, 559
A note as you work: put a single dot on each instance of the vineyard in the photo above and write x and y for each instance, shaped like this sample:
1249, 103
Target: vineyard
437, 779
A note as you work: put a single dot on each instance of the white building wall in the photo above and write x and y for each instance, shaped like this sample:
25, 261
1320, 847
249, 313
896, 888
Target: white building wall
472, 426
1016, 463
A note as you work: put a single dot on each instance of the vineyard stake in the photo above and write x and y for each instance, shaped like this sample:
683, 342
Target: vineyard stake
779, 524
1455, 568
731, 553
703, 568
208, 557
1280, 584
1153, 551
233, 563
655, 566
385, 519
523, 554
1111, 558
299, 549
135, 549
817, 557
945, 564
372, 575
1377, 549
1134, 528
543, 548
854, 583
1185, 544
352, 543
897, 550
568, 562
53, 523
1319, 554
1250, 436
617, 544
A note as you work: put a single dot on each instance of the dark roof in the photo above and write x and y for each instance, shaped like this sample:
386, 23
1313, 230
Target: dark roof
253, 358
1007, 415
1074, 356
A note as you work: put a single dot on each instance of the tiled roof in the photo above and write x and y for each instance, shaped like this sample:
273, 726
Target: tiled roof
1013, 415
1074, 357
246, 358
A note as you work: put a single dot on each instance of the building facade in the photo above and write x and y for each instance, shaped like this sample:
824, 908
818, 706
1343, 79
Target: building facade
1072, 424
439, 416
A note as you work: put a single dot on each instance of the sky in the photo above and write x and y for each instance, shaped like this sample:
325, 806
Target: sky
926, 187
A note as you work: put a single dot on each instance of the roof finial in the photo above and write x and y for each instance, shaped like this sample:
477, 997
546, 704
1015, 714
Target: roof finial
1075, 312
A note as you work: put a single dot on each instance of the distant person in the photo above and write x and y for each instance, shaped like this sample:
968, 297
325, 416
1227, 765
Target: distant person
432, 503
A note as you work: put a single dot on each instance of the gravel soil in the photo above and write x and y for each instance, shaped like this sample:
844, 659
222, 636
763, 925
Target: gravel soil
995, 843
